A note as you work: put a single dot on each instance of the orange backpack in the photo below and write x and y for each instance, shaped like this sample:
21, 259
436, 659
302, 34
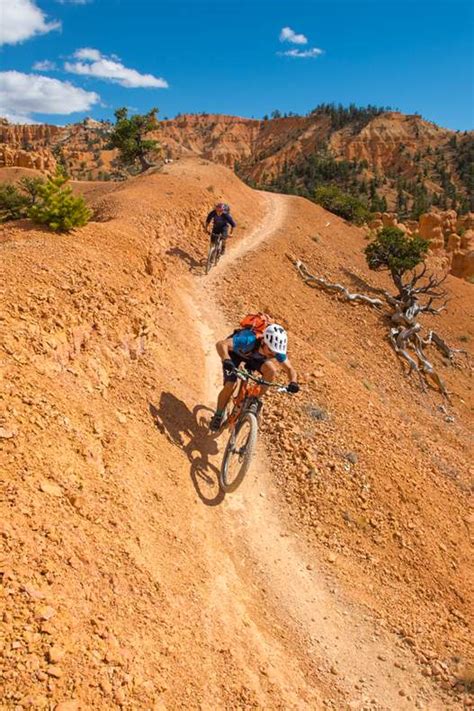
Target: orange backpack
256, 322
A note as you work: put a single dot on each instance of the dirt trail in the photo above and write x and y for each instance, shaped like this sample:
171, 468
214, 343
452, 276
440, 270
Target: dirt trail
345, 643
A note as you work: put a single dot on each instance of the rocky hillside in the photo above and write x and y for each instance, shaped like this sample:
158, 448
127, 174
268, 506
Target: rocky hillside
80, 148
336, 577
388, 159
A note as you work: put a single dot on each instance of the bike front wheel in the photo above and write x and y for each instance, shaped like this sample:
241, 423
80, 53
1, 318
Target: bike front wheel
210, 258
238, 453
218, 252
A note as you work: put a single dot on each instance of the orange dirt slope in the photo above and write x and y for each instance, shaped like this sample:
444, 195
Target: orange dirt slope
128, 581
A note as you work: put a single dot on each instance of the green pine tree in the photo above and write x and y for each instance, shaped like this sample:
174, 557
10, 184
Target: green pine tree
57, 207
31, 187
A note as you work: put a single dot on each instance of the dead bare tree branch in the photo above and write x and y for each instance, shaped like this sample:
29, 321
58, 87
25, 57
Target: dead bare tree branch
314, 281
404, 311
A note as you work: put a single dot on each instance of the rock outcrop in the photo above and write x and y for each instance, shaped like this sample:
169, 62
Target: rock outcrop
24, 135
451, 237
81, 147
390, 146
40, 159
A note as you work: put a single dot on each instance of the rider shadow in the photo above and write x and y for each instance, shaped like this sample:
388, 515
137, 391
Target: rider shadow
189, 431
187, 258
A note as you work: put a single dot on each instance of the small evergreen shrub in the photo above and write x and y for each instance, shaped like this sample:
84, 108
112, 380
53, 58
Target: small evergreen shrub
57, 207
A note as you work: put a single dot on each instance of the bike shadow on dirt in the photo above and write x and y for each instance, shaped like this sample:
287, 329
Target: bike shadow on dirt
188, 430
194, 266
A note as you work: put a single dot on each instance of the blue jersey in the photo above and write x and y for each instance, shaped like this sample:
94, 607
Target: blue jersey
245, 342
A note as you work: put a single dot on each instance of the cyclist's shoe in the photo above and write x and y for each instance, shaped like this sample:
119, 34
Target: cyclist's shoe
216, 421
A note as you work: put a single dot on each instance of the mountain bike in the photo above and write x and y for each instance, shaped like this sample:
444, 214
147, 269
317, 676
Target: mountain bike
242, 422
216, 247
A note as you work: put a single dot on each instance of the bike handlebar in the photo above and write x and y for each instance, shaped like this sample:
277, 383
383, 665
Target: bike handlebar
245, 375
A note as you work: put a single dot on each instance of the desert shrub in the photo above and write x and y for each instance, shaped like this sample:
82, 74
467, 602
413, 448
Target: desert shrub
13, 203
57, 207
15, 200
347, 206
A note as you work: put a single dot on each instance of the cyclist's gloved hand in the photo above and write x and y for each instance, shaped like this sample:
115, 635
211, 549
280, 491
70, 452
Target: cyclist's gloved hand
229, 366
293, 388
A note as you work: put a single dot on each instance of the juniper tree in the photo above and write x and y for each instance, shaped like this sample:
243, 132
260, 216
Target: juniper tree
129, 137
394, 251
31, 187
403, 257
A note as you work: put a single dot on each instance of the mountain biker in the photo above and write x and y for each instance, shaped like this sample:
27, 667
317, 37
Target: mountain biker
221, 221
263, 355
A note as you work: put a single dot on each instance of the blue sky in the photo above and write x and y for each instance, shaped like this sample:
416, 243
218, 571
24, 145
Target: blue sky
229, 57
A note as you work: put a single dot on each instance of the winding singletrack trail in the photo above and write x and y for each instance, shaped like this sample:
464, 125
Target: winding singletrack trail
313, 624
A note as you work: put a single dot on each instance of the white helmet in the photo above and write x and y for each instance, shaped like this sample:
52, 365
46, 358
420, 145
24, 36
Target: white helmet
276, 338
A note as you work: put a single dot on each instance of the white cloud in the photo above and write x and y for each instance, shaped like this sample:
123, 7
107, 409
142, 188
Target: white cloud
73, 2
26, 94
44, 66
302, 53
88, 53
100, 66
289, 35
22, 19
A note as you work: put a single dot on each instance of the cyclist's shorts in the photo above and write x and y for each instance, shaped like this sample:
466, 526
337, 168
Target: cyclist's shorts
221, 230
253, 364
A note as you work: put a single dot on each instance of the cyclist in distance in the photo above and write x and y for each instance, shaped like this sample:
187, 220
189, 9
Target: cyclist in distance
222, 221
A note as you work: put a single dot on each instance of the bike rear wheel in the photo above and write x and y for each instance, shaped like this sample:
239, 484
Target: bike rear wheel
238, 453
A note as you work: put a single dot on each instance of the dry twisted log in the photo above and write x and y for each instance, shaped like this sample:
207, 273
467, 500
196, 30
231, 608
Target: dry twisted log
314, 281
404, 334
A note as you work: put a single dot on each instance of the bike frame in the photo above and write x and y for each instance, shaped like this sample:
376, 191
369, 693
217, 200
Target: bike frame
249, 387
218, 239
244, 412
